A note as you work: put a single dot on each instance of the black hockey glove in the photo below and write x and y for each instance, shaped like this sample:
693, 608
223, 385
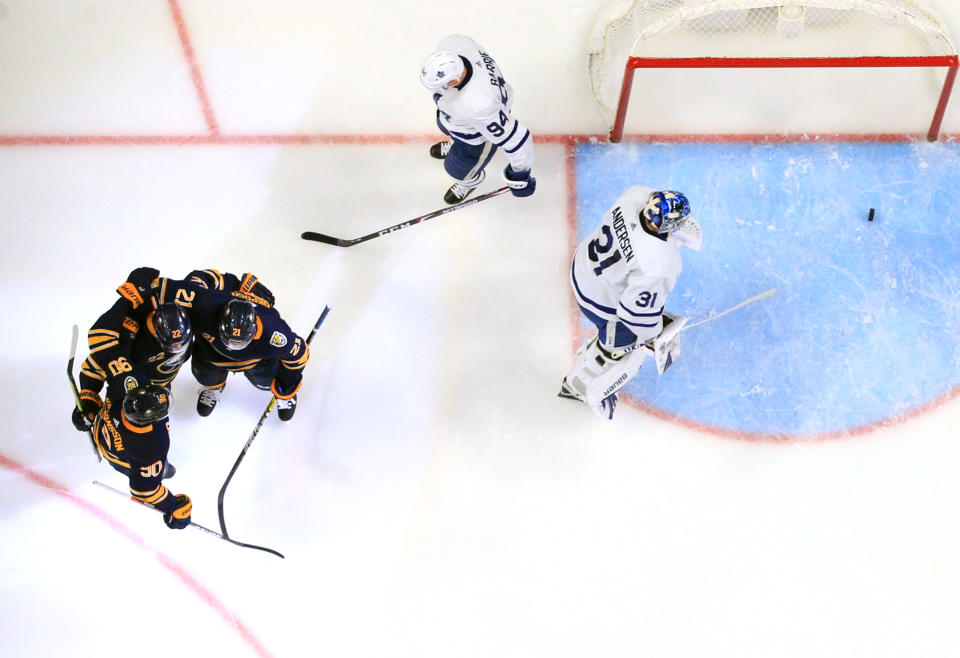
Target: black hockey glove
178, 517
84, 416
521, 182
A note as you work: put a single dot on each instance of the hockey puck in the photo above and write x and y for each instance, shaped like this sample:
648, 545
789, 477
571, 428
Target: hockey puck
870, 216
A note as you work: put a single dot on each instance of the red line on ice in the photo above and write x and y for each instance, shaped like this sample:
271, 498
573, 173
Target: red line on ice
168, 563
195, 74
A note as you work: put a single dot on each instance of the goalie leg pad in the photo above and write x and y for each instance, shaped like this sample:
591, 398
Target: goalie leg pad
598, 373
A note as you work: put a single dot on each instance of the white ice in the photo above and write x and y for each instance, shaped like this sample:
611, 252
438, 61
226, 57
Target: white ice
432, 496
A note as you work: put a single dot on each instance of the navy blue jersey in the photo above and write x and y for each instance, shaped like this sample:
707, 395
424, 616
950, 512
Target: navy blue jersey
125, 352
138, 452
212, 279
273, 338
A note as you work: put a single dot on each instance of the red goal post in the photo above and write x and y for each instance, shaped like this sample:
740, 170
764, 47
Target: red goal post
751, 34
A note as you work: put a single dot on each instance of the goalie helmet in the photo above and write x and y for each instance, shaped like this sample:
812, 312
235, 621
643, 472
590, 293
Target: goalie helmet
439, 69
146, 404
173, 328
238, 324
665, 210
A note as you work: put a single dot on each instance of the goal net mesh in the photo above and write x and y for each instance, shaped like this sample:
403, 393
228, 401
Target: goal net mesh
756, 30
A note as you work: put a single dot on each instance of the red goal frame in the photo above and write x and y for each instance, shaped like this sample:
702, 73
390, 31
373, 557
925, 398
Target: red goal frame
950, 62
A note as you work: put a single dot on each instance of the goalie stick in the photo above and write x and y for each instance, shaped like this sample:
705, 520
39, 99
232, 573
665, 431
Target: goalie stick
253, 435
341, 242
195, 525
711, 318
73, 386
662, 346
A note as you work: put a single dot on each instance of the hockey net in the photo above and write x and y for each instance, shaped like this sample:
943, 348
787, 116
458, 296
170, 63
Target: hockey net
756, 34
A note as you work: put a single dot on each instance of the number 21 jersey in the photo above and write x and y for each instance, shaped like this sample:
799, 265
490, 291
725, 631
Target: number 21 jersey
622, 272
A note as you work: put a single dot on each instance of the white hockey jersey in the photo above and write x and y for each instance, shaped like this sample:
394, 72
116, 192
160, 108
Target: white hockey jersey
621, 272
479, 110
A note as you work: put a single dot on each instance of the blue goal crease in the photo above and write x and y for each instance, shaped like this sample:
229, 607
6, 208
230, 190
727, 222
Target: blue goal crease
864, 326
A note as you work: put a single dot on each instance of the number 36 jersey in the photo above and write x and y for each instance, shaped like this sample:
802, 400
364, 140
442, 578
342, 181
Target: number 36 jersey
623, 273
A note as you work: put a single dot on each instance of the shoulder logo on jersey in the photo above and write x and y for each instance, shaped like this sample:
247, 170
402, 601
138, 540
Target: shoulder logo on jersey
130, 382
278, 339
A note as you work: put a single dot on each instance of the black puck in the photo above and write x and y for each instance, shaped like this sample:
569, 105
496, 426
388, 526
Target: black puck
870, 217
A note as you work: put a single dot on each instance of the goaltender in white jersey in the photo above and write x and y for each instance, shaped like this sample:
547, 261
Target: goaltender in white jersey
621, 276
474, 105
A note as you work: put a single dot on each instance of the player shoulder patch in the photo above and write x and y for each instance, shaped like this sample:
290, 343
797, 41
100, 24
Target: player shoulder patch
278, 339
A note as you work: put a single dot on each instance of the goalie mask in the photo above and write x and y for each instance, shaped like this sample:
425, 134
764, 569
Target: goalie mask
665, 210
145, 405
238, 324
439, 69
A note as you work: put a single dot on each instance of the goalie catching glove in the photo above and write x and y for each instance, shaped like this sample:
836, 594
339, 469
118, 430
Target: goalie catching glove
521, 182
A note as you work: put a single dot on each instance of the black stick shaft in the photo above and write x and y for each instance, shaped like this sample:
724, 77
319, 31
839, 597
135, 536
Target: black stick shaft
192, 523
253, 435
341, 242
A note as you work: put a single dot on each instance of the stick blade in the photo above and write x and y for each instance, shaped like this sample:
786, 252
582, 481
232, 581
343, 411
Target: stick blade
326, 239
73, 342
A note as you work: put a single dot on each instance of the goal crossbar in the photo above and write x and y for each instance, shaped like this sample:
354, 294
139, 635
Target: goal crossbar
950, 62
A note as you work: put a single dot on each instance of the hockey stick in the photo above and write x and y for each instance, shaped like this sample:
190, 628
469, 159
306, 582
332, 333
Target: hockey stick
73, 386
253, 435
341, 242
195, 525
716, 316
651, 343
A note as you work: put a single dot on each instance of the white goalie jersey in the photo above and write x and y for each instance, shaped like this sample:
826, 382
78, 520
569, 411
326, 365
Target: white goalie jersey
623, 273
480, 110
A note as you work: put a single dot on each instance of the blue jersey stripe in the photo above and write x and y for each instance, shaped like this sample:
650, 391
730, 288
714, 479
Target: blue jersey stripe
513, 132
642, 315
599, 307
464, 136
514, 149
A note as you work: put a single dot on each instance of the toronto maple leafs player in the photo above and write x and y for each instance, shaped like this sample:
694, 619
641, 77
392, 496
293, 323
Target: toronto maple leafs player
473, 108
621, 276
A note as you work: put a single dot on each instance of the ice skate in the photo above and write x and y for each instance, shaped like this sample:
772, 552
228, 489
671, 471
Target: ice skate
440, 149
461, 190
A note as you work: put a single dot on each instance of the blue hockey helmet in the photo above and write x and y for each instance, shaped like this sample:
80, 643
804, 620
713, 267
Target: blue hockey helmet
665, 210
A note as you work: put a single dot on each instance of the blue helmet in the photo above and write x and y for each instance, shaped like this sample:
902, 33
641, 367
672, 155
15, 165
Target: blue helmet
665, 210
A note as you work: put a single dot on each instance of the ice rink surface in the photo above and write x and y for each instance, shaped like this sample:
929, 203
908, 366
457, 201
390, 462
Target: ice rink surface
432, 496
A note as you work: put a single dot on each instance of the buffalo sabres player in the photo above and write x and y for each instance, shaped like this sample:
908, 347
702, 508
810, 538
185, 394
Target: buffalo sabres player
621, 276
132, 433
136, 341
473, 108
239, 331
